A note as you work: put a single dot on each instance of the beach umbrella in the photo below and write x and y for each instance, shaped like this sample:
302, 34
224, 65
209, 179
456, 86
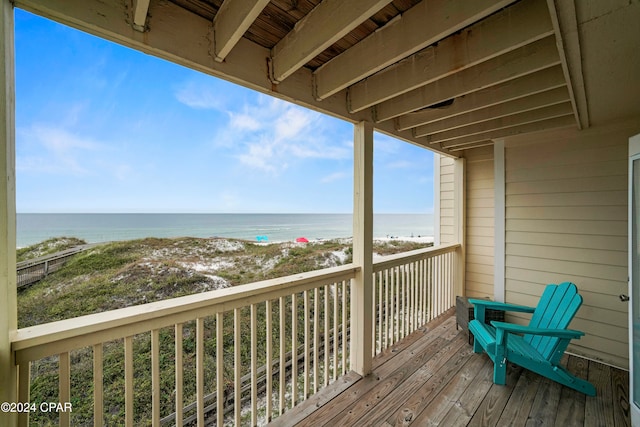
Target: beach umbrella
302, 240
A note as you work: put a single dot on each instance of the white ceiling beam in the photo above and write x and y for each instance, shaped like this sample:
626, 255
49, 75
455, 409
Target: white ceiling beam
543, 99
525, 60
424, 24
181, 37
511, 28
528, 85
518, 119
140, 10
327, 23
558, 122
231, 22
565, 23
472, 145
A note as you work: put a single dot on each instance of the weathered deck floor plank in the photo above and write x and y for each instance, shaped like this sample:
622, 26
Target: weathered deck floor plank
433, 378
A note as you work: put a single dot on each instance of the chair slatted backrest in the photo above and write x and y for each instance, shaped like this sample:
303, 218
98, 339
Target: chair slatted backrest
555, 310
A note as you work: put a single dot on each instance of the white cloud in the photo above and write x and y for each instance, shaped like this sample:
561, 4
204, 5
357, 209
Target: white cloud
259, 156
196, 95
336, 176
269, 134
244, 122
54, 150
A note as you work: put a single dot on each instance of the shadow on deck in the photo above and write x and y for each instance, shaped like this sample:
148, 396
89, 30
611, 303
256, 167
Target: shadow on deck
433, 378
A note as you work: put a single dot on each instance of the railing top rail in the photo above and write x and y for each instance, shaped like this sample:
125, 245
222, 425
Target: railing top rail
224, 299
29, 343
395, 260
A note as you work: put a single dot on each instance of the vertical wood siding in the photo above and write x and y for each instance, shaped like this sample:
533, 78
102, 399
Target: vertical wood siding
479, 223
566, 220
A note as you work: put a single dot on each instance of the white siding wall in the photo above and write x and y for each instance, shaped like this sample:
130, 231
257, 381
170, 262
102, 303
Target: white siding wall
479, 223
566, 220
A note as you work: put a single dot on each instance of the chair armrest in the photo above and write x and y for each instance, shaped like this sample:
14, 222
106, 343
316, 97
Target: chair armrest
520, 329
494, 305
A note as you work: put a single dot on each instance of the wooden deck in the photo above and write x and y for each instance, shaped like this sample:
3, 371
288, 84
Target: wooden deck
434, 378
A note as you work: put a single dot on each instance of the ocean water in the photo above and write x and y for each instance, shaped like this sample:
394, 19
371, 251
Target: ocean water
33, 228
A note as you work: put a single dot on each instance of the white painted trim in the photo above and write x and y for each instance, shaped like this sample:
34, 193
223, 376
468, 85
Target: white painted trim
140, 10
437, 194
634, 154
231, 22
499, 221
362, 285
460, 216
8, 289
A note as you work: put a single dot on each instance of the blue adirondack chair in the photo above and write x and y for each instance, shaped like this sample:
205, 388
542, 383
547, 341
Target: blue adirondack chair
537, 347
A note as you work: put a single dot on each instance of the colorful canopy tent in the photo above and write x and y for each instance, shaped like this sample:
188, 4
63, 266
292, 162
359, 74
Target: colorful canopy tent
302, 240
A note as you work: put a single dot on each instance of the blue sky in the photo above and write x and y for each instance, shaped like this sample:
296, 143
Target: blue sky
103, 128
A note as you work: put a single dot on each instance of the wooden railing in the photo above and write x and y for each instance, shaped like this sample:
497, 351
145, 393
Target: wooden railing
279, 341
410, 289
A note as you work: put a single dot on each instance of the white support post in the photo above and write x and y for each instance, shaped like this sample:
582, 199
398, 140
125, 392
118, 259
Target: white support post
8, 289
459, 218
361, 290
499, 224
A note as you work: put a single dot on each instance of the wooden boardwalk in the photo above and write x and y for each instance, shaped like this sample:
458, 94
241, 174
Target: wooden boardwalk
434, 378
33, 270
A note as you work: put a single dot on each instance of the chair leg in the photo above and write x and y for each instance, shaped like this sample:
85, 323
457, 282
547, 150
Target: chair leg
477, 348
500, 372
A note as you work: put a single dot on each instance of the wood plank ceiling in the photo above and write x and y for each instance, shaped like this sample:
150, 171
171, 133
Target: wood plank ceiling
444, 74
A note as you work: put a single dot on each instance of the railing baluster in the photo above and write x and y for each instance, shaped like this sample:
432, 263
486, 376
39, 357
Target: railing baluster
64, 396
421, 278
374, 311
316, 337
269, 358
200, 369
155, 377
414, 285
380, 312
344, 327
335, 331
24, 382
392, 287
326, 335
98, 405
294, 349
254, 366
179, 404
220, 391
237, 366
386, 308
282, 357
128, 381
412, 310
406, 303
403, 304
306, 345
